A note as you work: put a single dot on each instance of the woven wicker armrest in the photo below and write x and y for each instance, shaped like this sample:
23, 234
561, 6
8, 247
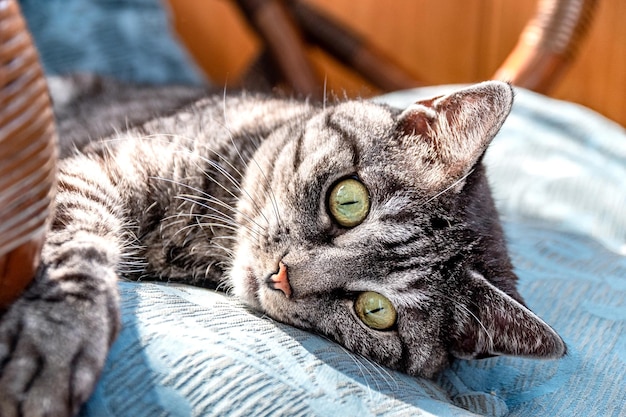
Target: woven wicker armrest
27, 155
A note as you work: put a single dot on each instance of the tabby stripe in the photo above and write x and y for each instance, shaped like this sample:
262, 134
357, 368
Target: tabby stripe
350, 139
406, 240
297, 159
87, 189
89, 207
14, 338
39, 361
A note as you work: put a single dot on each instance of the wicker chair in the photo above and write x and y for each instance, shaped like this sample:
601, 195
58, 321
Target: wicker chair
546, 47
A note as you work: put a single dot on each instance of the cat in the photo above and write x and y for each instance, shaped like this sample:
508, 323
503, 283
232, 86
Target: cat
370, 225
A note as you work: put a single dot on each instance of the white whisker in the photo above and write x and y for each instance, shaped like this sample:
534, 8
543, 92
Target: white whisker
448, 188
245, 162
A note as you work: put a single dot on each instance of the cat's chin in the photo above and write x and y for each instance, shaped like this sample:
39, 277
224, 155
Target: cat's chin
245, 286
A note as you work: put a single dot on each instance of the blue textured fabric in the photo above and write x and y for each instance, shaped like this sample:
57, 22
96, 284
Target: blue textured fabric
126, 39
558, 172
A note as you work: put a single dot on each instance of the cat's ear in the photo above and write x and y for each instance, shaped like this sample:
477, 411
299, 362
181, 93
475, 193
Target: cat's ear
496, 324
450, 133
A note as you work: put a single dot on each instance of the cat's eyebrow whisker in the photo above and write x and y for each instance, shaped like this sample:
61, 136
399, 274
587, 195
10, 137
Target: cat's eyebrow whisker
384, 374
356, 359
454, 184
371, 366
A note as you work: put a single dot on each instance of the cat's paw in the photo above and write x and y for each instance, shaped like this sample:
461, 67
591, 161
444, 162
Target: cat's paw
53, 345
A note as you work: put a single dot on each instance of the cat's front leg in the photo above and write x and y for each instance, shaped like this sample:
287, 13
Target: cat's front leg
55, 338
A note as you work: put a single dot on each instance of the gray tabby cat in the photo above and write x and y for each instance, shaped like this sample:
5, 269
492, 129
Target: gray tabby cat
370, 225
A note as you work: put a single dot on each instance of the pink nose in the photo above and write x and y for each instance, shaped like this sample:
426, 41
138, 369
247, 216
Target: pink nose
280, 280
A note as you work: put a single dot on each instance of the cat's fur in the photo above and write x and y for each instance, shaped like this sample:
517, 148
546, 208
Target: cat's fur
230, 191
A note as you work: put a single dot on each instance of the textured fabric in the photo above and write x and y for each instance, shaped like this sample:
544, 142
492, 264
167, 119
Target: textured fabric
558, 172
127, 39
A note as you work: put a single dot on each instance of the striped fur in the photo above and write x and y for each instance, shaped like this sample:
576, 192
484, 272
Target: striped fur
228, 191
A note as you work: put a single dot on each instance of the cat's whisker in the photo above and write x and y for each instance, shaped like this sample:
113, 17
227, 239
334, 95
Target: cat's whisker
205, 225
206, 197
365, 366
454, 184
228, 250
205, 203
230, 134
218, 214
232, 226
225, 160
266, 182
224, 286
252, 158
213, 224
243, 160
174, 219
237, 185
233, 238
167, 138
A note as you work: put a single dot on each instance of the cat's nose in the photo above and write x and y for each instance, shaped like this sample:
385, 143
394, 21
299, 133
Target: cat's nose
280, 280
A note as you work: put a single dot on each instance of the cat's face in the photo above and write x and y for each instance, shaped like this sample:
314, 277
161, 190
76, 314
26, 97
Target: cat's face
375, 227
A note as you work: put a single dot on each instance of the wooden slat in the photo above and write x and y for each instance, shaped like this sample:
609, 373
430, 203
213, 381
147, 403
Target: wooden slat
443, 41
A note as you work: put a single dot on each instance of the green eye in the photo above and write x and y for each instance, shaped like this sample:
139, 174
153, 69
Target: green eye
349, 202
375, 310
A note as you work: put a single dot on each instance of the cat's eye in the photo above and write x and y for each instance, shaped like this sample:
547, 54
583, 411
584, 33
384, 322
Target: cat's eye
349, 202
375, 310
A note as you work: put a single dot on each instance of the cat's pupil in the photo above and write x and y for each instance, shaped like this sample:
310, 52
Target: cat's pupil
439, 223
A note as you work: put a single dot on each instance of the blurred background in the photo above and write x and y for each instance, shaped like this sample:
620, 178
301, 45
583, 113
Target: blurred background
438, 42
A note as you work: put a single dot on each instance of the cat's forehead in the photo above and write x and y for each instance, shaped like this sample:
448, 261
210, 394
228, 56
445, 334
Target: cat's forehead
356, 137
369, 123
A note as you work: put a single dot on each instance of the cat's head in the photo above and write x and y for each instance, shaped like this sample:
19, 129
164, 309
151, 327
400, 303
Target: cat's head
376, 227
